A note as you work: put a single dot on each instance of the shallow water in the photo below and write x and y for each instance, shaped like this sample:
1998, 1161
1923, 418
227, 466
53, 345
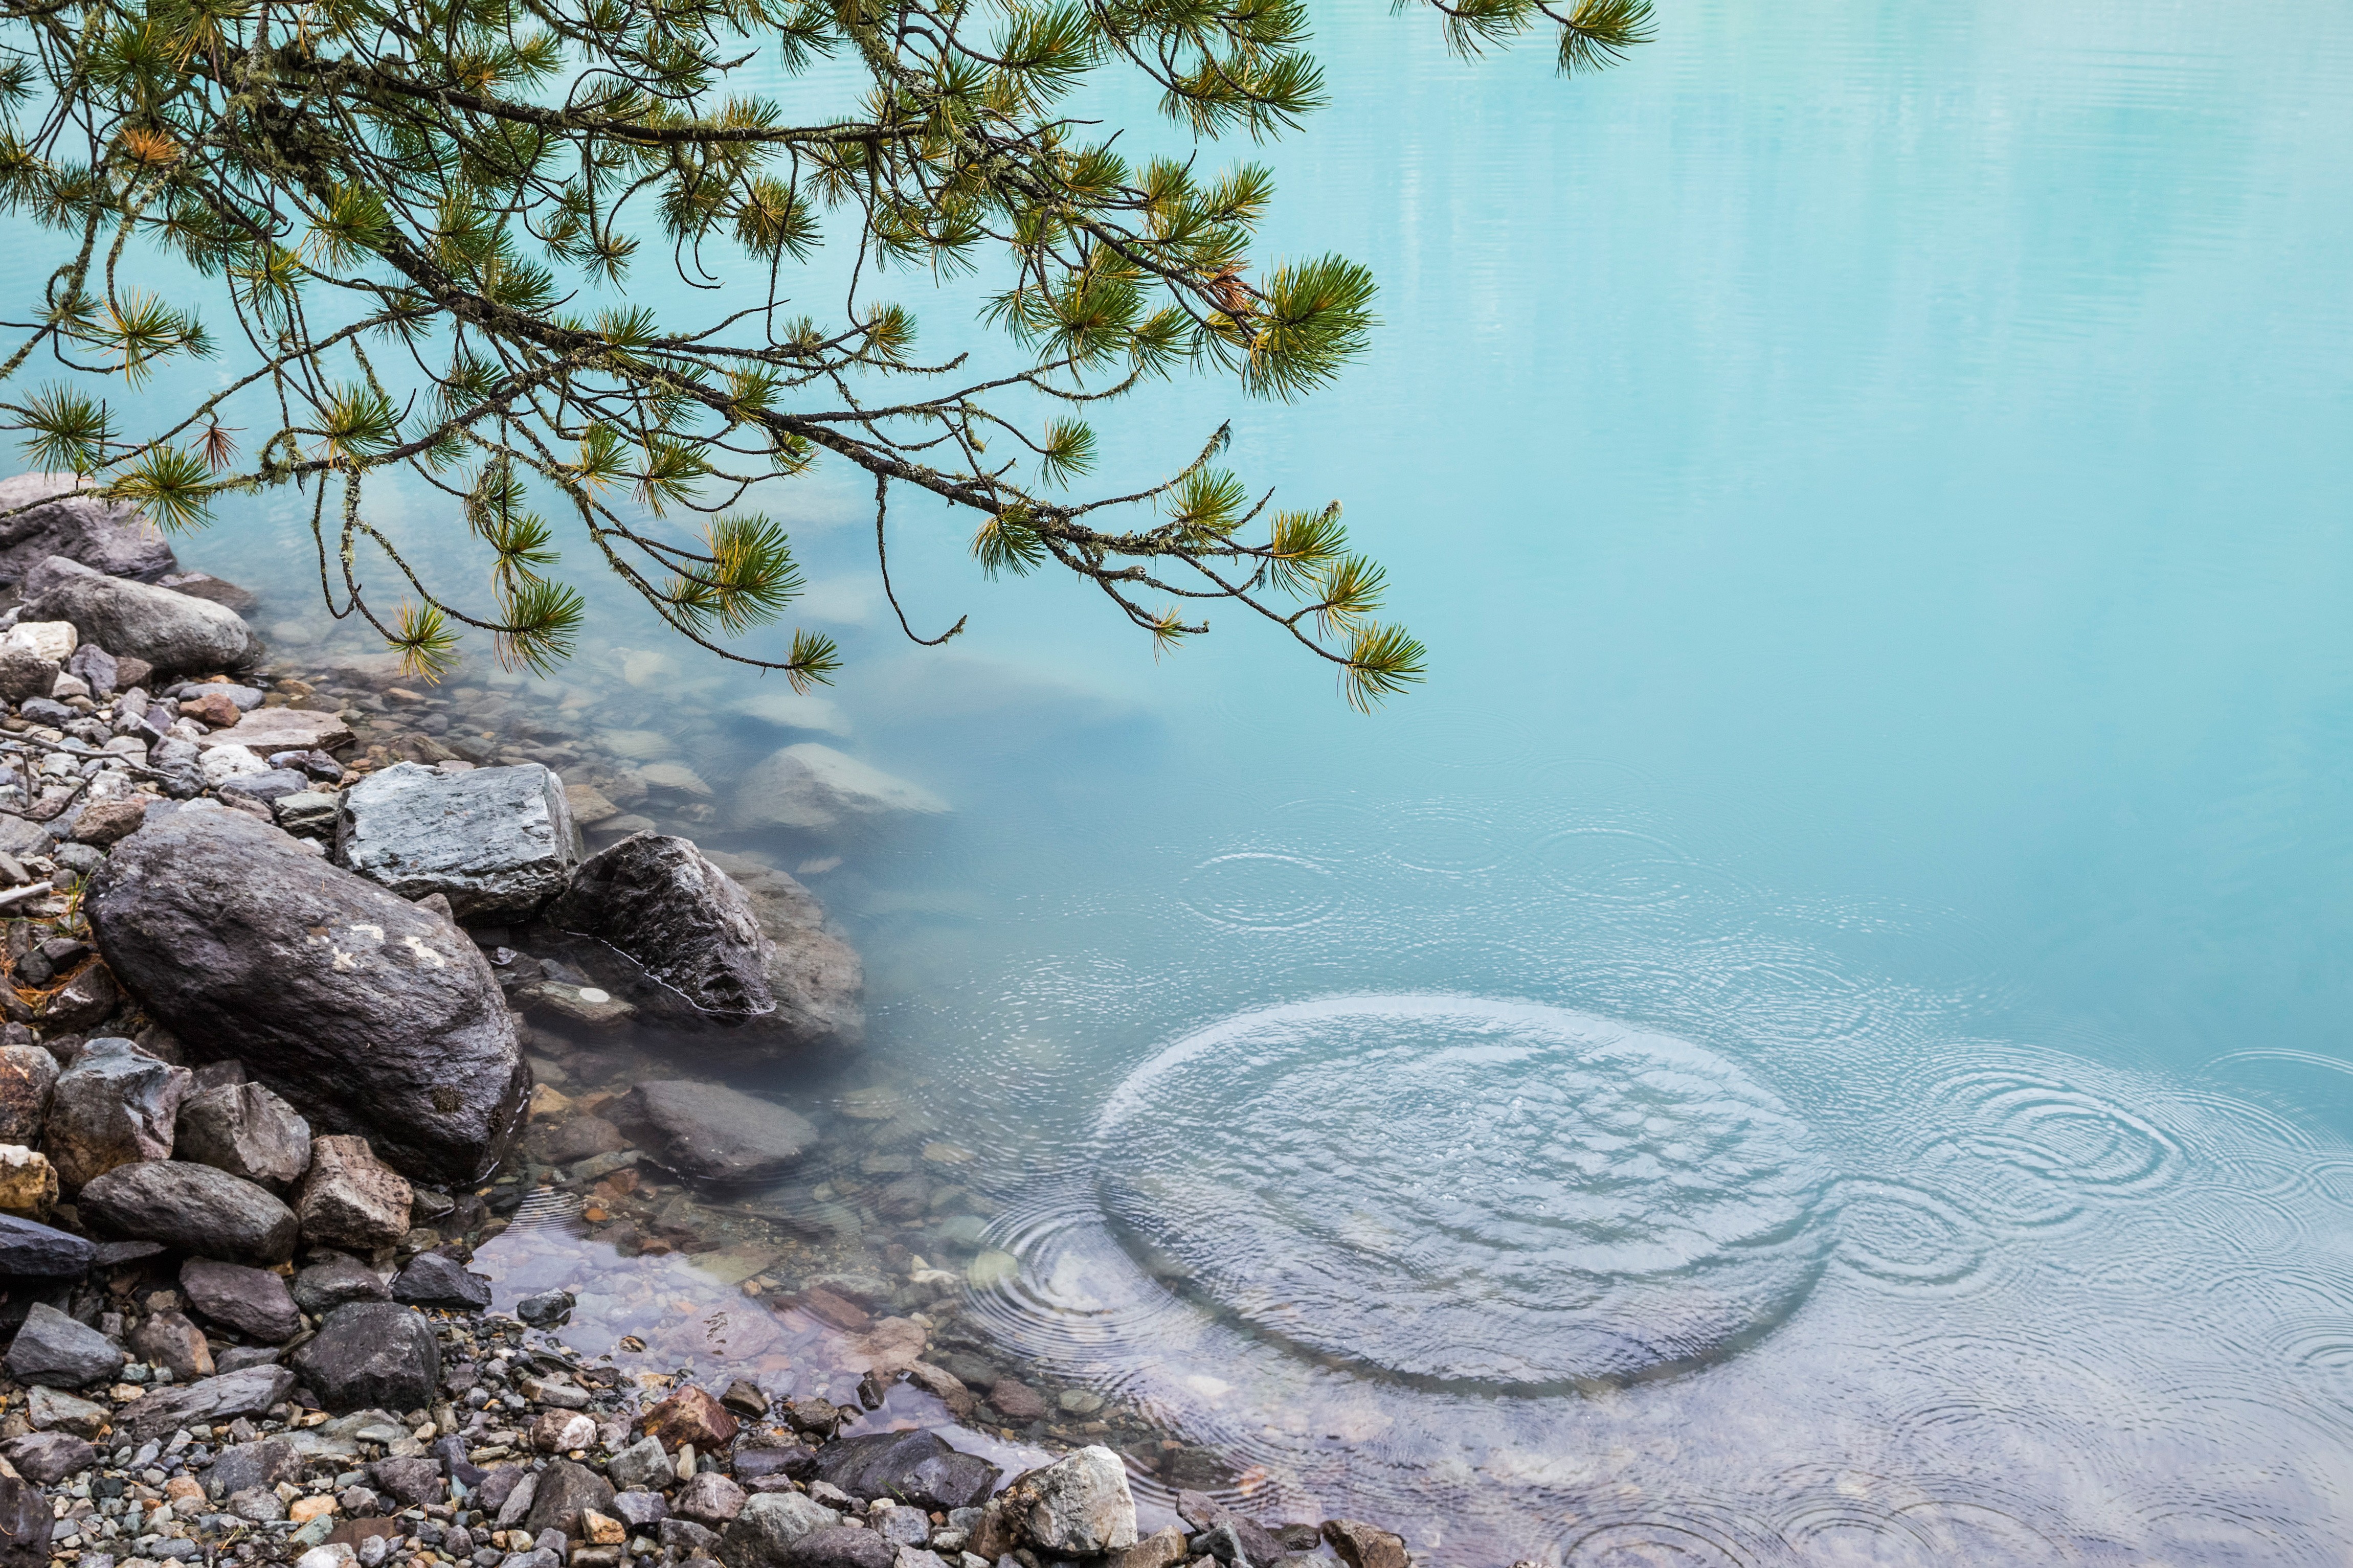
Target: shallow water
1819, 1036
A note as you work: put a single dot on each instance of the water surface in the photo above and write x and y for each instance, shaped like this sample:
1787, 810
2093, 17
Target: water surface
1875, 484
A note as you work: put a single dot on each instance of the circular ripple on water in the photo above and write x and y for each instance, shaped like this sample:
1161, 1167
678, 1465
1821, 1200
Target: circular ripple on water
1259, 890
1906, 1235
1462, 1191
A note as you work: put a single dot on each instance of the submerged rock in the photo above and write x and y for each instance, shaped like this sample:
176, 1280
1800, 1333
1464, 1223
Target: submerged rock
171, 631
688, 944
497, 842
368, 1012
713, 1134
812, 786
109, 536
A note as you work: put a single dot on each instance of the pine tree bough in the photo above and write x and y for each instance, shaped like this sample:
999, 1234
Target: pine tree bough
414, 204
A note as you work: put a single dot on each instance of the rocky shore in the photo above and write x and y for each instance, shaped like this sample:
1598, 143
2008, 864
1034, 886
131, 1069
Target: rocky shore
321, 994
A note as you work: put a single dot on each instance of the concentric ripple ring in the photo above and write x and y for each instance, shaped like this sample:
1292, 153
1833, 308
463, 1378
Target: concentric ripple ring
1462, 1192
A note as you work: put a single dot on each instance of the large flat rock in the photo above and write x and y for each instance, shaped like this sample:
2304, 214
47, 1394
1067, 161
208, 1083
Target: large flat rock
268, 731
497, 842
369, 1013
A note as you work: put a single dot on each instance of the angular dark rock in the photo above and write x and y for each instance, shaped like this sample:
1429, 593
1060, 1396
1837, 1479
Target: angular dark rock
710, 1132
25, 1524
689, 946
27, 1075
414, 1482
350, 1198
246, 1131
1362, 1545
171, 631
115, 1105
100, 669
838, 1546
450, 1451
253, 1302
497, 842
376, 1353
916, 1467
48, 1456
565, 1489
690, 1416
546, 1309
323, 1287
262, 1463
365, 1012
193, 1208
169, 1340
769, 1525
32, 1250
432, 1279
56, 1351
108, 536
237, 1358
250, 1392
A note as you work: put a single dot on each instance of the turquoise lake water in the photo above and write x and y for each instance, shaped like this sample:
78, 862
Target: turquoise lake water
1821, 1034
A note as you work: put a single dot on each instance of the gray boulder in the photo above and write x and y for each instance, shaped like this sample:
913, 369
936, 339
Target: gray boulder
107, 536
193, 1208
171, 631
56, 1351
497, 842
253, 1302
31, 1250
914, 1467
639, 1509
432, 1279
688, 945
565, 1489
1079, 1506
114, 1106
769, 1525
245, 1130
366, 1012
710, 1132
250, 1392
48, 1458
372, 1353
262, 1463
323, 1287
27, 1077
